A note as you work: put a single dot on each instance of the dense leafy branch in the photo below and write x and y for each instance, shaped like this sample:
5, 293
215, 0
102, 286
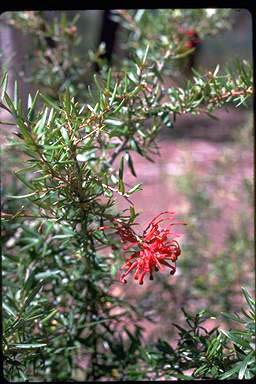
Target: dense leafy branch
60, 313
208, 354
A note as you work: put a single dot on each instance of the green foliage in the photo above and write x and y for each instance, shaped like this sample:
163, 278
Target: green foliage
53, 60
214, 354
61, 319
174, 36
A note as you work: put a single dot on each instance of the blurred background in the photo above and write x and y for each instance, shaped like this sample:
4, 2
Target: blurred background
16, 43
204, 173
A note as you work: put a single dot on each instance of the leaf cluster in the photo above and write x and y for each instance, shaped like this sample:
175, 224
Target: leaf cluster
53, 58
214, 354
165, 29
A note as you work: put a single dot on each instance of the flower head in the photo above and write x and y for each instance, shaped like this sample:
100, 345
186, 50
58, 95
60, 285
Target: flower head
155, 248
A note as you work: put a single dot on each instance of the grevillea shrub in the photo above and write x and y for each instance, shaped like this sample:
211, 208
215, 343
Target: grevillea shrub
65, 243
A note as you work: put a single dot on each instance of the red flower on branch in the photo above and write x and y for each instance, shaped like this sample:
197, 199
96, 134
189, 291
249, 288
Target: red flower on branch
155, 248
192, 37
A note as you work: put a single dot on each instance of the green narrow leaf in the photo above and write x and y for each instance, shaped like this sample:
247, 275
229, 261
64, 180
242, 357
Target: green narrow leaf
132, 77
15, 325
63, 236
121, 186
109, 77
34, 317
163, 346
9, 310
13, 258
249, 299
96, 108
181, 55
22, 196
30, 231
90, 93
130, 164
96, 82
183, 330
71, 319
249, 375
245, 363
121, 168
42, 177
233, 318
41, 123
216, 70
10, 104
29, 101
249, 316
136, 188
67, 100
113, 95
96, 322
213, 347
26, 346
117, 123
136, 90
32, 295
51, 116
199, 371
125, 83
48, 274
64, 134
24, 131
49, 317
50, 102
29, 281
119, 107
4, 84
231, 372
16, 95
243, 74
103, 103
132, 215
90, 107
136, 147
145, 55
236, 339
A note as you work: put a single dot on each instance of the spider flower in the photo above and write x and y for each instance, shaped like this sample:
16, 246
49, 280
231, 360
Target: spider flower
156, 248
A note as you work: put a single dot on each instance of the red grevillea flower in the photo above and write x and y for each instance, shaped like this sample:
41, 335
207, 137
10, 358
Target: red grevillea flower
156, 247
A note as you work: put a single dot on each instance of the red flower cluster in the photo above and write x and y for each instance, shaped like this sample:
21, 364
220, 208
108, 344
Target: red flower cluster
193, 39
155, 250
